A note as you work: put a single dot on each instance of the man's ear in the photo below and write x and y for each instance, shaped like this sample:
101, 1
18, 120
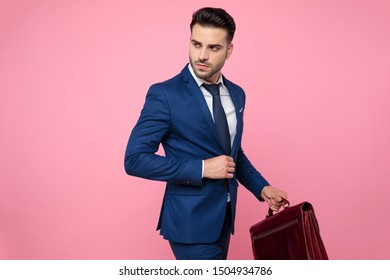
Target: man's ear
229, 50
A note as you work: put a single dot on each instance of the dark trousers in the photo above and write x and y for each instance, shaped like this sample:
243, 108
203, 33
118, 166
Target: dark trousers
217, 250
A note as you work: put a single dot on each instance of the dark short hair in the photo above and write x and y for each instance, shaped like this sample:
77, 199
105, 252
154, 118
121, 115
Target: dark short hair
214, 17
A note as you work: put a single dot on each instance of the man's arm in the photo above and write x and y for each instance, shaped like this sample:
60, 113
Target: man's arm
250, 178
144, 141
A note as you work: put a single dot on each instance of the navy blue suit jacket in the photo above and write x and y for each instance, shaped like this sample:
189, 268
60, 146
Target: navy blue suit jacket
176, 115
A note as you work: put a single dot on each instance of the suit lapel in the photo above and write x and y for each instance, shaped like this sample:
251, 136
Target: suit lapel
238, 105
194, 89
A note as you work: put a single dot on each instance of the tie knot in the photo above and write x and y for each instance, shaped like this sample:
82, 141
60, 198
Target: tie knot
212, 88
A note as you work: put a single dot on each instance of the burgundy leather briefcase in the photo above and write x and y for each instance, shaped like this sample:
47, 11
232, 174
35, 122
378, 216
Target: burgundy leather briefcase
291, 234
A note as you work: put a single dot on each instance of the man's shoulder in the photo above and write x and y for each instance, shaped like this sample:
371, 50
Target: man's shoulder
173, 81
232, 86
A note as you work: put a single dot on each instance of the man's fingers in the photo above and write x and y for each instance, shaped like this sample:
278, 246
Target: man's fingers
274, 207
283, 194
276, 203
230, 166
274, 197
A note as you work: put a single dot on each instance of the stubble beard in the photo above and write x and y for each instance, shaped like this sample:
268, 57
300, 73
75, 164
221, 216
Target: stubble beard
208, 74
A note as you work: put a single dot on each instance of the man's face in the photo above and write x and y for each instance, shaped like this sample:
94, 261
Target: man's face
209, 49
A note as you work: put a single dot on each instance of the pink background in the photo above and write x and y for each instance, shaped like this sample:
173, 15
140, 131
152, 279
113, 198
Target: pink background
73, 78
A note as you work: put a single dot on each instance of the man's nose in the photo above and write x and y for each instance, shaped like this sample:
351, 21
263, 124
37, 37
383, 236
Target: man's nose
204, 54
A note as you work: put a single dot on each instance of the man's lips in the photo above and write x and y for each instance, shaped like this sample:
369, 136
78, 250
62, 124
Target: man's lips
202, 66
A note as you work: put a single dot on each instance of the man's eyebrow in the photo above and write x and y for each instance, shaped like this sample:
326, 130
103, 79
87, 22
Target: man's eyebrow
211, 45
215, 46
196, 42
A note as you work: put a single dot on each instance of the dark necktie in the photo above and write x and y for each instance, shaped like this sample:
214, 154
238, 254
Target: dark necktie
219, 116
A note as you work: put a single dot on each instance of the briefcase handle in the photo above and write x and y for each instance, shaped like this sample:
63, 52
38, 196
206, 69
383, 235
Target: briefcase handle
285, 204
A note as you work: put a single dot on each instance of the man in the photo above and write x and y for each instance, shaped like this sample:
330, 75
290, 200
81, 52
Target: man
202, 141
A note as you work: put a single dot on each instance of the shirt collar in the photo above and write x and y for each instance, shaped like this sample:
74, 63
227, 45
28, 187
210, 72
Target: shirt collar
200, 81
